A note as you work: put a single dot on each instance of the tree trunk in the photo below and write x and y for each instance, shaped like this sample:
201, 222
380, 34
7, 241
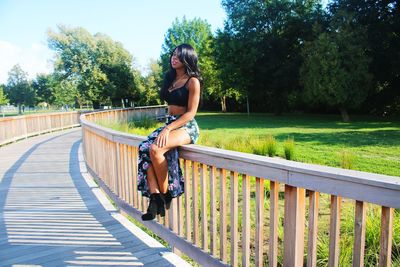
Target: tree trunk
96, 104
248, 105
223, 103
345, 115
19, 109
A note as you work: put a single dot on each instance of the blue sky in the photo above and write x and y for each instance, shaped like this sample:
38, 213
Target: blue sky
139, 25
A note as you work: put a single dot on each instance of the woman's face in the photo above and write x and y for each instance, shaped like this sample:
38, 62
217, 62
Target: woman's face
175, 62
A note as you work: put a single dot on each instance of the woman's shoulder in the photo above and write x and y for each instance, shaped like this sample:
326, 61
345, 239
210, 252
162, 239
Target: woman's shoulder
193, 82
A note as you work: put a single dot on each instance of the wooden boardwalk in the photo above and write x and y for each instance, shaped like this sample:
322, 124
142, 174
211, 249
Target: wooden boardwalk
53, 214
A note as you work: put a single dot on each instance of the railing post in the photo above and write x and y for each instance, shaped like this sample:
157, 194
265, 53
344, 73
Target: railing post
294, 226
386, 237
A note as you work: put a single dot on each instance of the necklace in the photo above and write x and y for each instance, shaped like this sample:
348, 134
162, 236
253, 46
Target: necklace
176, 82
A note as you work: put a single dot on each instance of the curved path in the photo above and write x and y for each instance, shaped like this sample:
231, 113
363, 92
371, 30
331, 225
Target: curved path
53, 214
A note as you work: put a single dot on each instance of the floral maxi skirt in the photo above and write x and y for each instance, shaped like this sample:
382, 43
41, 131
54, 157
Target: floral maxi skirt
175, 177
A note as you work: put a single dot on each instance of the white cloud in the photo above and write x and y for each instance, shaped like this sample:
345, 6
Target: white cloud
33, 59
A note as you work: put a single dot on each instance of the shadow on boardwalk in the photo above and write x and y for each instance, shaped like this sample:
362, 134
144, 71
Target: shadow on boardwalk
50, 216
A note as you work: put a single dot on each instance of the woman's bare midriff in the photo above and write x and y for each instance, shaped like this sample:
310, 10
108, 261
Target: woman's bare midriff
176, 110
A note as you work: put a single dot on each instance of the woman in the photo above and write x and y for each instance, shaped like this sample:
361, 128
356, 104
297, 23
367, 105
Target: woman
159, 175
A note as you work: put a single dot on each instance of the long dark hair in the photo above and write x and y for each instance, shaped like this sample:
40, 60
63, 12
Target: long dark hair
188, 57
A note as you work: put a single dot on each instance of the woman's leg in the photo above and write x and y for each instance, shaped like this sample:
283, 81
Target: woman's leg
176, 138
152, 180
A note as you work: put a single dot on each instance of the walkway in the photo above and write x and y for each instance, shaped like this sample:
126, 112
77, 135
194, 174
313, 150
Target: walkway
53, 214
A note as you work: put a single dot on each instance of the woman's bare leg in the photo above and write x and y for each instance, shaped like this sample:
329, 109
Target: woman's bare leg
152, 180
176, 138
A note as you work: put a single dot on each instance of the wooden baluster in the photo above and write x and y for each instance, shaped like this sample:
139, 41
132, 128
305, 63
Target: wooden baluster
234, 219
130, 176
385, 252
334, 232
196, 230
223, 226
259, 239
313, 229
204, 207
213, 204
179, 203
188, 218
246, 221
294, 226
359, 234
273, 223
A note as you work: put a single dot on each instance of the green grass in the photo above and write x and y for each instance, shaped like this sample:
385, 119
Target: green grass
319, 139
374, 144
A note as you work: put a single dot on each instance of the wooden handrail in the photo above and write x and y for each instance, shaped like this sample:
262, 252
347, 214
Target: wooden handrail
19, 127
212, 175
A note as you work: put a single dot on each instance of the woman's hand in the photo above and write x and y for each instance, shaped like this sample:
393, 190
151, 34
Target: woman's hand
162, 137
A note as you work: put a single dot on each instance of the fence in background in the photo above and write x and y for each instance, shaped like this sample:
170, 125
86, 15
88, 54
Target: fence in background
20, 127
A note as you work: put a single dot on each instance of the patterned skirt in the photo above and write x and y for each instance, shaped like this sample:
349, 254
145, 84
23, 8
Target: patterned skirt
175, 177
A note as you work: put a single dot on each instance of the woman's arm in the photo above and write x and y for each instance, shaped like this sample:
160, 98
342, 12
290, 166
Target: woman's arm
193, 103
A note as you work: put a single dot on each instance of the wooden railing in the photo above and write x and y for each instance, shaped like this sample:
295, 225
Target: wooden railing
20, 127
204, 222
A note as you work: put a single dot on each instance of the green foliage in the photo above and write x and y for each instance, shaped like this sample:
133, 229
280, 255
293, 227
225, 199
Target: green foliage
44, 88
347, 159
18, 89
335, 71
100, 67
149, 95
288, 147
381, 20
271, 145
3, 98
260, 48
65, 93
145, 122
372, 236
197, 33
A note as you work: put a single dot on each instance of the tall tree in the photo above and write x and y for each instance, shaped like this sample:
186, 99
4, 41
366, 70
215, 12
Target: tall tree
197, 33
381, 20
266, 39
18, 89
335, 72
100, 67
152, 82
44, 88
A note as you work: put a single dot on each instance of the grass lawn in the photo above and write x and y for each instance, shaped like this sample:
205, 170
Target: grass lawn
319, 139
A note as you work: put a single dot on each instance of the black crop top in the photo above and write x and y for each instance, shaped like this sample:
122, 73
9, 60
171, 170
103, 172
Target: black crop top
178, 96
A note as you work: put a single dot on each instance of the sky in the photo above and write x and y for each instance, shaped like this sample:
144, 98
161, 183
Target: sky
140, 25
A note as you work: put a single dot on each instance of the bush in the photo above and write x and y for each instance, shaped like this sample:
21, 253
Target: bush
347, 159
271, 146
288, 147
145, 122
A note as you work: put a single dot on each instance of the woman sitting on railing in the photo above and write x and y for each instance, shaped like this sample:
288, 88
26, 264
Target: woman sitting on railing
159, 174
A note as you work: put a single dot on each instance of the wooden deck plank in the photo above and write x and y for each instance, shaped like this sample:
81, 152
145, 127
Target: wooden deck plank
50, 215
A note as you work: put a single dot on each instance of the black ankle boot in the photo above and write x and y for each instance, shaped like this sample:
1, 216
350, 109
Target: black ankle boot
167, 199
156, 206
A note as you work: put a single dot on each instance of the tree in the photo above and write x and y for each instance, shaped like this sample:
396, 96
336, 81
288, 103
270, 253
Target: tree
18, 89
152, 83
43, 86
3, 98
262, 54
65, 93
198, 34
381, 21
99, 67
335, 72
